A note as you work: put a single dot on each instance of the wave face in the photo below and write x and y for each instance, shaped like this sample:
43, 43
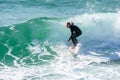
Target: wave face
42, 42
33, 40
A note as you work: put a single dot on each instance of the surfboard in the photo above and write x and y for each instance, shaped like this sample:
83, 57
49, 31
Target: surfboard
74, 50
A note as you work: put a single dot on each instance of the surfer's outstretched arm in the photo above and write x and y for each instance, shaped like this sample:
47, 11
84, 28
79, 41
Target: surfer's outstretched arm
72, 35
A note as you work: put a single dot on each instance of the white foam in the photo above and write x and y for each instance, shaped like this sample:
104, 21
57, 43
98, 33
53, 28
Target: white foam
12, 27
65, 67
117, 26
94, 24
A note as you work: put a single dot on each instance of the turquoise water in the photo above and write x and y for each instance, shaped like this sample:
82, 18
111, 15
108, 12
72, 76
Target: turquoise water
33, 40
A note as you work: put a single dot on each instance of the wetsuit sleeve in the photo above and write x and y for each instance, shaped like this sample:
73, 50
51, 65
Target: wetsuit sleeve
73, 33
69, 38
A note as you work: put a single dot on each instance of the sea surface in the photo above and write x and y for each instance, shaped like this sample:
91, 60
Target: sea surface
34, 46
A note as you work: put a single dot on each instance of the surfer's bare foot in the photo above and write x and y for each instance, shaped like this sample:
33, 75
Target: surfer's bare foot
73, 47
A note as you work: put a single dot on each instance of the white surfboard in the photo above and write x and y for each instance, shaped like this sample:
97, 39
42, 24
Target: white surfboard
74, 50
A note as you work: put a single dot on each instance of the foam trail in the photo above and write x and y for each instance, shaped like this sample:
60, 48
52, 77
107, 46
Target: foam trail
16, 58
64, 66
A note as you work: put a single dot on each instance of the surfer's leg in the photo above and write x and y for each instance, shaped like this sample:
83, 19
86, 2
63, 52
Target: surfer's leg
76, 41
73, 41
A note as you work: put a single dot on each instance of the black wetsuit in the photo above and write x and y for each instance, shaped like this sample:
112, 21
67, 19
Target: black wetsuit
75, 32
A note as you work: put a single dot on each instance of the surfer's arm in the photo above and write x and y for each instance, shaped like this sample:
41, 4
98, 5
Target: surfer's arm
69, 38
73, 34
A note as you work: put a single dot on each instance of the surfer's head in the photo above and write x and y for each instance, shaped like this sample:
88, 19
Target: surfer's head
68, 24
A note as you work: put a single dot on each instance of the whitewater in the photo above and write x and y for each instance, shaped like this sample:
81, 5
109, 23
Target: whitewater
33, 40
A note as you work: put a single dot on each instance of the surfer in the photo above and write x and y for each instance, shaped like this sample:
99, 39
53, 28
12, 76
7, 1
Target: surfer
75, 32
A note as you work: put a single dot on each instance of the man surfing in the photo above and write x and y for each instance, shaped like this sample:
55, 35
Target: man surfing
75, 32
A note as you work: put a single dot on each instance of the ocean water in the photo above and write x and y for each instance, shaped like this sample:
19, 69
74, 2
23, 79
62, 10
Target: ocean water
33, 40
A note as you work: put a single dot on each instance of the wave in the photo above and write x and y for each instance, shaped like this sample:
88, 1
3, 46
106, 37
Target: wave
25, 43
